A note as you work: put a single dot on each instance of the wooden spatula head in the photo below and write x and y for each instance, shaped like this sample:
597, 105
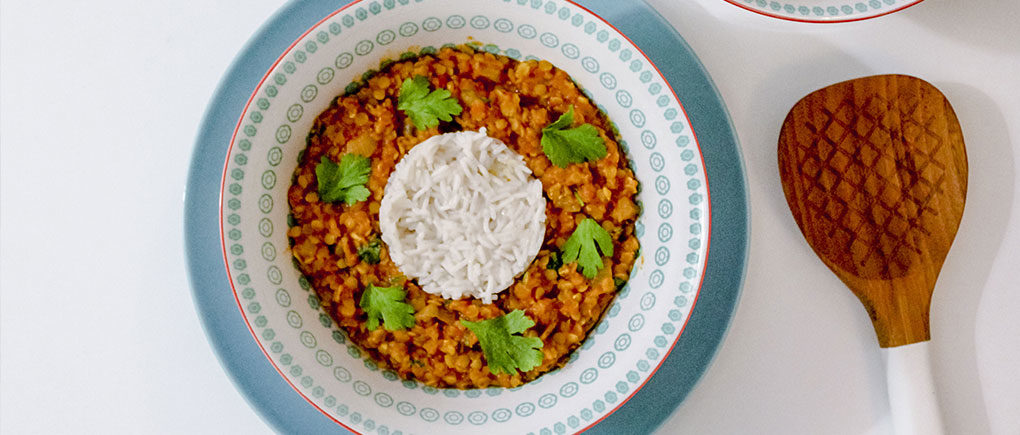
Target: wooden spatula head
875, 173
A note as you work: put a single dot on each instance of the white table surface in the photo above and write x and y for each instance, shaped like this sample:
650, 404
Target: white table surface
100, 106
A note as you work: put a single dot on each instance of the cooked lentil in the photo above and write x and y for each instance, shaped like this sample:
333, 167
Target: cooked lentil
513, 100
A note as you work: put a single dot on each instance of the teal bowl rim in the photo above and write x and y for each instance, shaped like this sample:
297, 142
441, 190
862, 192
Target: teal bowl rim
284, 409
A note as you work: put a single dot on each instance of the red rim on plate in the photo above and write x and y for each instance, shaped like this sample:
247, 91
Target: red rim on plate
767, 13
240, 305
722, 271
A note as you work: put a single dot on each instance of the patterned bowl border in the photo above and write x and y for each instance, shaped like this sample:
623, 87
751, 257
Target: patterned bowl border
286, 354
838, 11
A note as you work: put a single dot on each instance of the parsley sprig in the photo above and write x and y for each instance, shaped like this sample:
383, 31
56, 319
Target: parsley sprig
426, 108
369, 252
344, 181
504, 348
386, 304
581, 247
564, 145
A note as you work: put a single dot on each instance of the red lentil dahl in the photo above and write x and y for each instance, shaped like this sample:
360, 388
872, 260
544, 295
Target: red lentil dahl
514, 101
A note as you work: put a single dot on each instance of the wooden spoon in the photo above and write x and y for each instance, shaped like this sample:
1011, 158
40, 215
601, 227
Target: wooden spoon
875, 173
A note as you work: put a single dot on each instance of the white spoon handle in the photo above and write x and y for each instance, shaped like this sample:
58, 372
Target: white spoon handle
912, 400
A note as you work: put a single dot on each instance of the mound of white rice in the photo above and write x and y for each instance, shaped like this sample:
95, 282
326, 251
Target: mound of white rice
463, 215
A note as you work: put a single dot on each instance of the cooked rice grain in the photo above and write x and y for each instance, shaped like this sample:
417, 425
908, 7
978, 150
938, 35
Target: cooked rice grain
462, 215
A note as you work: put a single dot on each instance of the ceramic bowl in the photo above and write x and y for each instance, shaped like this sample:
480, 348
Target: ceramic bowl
824, 11
282, 310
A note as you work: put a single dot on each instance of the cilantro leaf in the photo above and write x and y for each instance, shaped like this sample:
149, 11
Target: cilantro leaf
565, 145
581, 247
504, 350
386, 304
555, 262
344, 181
369, 252
426, 108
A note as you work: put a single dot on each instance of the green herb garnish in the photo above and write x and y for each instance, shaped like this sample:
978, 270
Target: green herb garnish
581, 247
555, 262
504, 348
345, 181
386, 304
426, 108
369, 252
564, 145
578, 197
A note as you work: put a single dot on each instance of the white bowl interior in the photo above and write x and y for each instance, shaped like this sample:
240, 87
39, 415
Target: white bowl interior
303, 342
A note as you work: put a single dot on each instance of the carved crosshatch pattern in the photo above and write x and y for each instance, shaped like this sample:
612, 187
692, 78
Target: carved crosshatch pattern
872, 196
875, 173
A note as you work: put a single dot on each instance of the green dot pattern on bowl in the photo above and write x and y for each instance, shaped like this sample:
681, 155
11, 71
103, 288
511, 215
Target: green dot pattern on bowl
310, 351
822, 10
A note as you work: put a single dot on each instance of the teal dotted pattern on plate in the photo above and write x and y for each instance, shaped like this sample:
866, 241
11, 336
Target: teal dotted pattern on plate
798, 10
283, 297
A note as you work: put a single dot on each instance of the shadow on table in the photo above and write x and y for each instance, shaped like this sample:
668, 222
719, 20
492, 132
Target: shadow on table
963, 282
972, 21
